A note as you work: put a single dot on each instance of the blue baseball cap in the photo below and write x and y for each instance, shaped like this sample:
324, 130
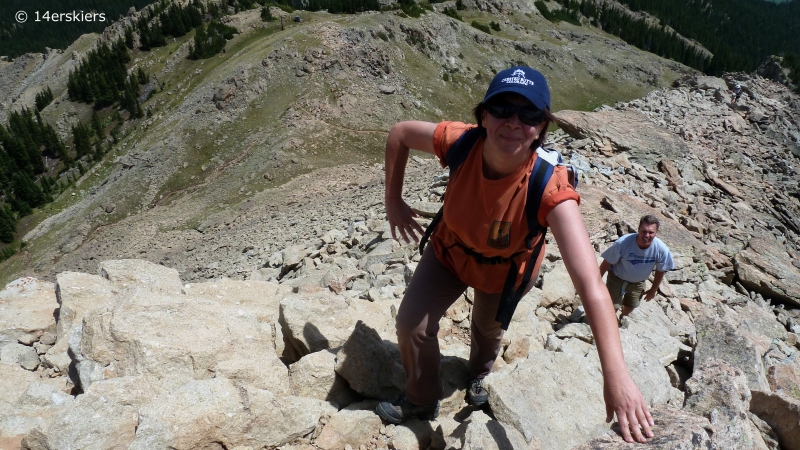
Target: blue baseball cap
524, 81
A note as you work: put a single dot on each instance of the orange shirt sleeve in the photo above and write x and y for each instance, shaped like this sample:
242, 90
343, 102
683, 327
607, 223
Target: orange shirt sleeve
445, 135
558, 190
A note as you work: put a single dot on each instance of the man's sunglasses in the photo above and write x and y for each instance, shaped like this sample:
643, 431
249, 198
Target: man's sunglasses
528, 115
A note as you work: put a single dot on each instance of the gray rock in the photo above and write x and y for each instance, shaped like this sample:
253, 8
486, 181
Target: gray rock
136, 272
784, 378
781, 413
223, 93
426, 209
314, 376
27, 339
614, 128
648, 349
349, 428
301, 315
323, 320
580, 331
27, 306
720, 393
77, 293
765, 267
483, 433
203, 413
719, 340
105, 416
173, 338
260, 370
674, 430
555, 387
27, 403
89, 372
292, 257
371, 366
557, 288
25, 356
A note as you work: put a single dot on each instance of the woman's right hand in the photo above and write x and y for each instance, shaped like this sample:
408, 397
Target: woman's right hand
401, 217
402, 137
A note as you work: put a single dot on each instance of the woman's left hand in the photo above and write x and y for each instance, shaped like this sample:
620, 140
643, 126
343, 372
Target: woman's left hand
624, 399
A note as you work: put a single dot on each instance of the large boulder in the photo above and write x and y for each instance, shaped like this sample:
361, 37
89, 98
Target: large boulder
27, 307
105, 416
720, 393
261, 298
77, 293
674, 429
27, 403
718, 339
782, 413
784, 378
756, 318
323, 320
483, 433
553, 397
314, 376
527, 331
348, 428
629, 131
220, 413
171, 337
648, 349
765, 267
138, 272
370, 365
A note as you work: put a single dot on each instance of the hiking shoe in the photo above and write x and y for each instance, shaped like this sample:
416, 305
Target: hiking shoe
476, 394
400, 410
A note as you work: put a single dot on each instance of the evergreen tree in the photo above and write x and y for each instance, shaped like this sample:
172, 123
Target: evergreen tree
129, 37
97, 125
25, 190
8, 225
142, 76
43, 99
81, 141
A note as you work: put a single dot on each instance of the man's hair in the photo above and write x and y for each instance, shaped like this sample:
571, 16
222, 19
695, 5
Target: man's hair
649, 220
481, 107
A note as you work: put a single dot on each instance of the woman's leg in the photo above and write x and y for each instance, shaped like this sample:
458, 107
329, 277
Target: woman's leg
486, 332
432, 290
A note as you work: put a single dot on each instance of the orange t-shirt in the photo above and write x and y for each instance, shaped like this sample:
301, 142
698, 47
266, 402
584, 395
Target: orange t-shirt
488, 216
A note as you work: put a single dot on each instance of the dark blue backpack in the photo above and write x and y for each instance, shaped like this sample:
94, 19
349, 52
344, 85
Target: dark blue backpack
542, 170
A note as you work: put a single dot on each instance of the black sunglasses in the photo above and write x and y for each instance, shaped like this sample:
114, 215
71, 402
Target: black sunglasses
530, 116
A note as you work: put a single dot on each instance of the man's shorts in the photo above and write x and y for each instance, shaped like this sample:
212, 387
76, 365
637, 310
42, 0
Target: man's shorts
623, 292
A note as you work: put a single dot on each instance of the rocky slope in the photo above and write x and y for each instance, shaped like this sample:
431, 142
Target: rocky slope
214, 284
226, 134
297, 355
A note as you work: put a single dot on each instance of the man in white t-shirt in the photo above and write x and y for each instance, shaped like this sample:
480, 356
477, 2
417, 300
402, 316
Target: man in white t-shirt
631, 260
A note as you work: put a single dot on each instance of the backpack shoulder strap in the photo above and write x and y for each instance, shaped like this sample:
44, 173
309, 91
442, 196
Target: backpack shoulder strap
546, 161
459, 151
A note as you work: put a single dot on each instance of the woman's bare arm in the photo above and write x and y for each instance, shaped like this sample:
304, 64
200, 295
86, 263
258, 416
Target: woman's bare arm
621, 394
402, 137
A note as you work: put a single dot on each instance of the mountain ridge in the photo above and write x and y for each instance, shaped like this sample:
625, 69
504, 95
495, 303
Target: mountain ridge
344, 76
